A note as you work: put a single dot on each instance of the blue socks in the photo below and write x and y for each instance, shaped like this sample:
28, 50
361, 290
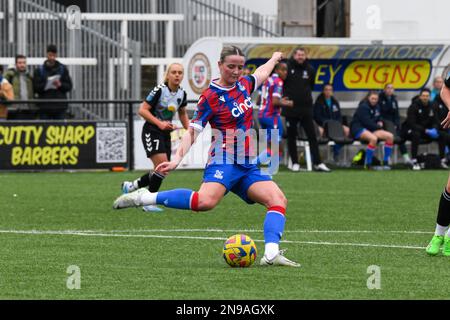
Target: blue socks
178, 199
369, 155
274, 224
387, 153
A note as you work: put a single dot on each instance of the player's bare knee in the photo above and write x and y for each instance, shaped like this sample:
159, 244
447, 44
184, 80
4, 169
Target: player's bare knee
277, 200
390, 138
206, 203
284, 201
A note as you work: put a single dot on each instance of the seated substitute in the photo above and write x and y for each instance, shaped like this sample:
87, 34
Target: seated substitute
327, 108
367, 126
390, 111
422, 123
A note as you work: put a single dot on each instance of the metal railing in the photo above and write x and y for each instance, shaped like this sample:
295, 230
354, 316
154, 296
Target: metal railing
116, 74
118, 46
203, 18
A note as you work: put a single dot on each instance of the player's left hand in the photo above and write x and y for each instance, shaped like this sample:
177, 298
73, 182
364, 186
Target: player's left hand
446, 122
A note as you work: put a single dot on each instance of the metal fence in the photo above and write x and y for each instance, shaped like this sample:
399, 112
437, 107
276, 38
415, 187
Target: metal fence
104, 64
203, 18
101, 67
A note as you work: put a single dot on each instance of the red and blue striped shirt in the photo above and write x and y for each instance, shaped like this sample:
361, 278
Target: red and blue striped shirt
272, 87
229, 111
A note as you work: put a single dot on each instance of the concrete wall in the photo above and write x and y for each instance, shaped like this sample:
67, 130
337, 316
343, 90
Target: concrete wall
400, 19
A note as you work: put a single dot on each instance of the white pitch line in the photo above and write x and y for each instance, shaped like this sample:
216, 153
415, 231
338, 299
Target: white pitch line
67, 232
258, 231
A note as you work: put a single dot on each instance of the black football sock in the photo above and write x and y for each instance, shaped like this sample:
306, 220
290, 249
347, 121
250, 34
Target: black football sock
443, 217
155, 182
143, 181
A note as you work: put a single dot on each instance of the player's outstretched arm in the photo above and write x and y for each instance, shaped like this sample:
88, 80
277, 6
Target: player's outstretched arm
264, 71
187, 141
445, 95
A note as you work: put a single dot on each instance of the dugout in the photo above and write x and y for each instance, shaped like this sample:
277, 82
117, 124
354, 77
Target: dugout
353, 66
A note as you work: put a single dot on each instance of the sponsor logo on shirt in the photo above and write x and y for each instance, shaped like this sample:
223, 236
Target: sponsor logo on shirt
240, 108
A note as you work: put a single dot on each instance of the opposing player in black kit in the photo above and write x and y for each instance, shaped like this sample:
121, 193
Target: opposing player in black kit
158, 110
441, 236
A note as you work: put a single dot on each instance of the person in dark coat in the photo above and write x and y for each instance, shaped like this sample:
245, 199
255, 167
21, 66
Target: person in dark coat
422, 123
327, 108
52, 81
298, 87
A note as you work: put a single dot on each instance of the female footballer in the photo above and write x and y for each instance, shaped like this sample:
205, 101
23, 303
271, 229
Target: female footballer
158, 110
441, 238
227, 106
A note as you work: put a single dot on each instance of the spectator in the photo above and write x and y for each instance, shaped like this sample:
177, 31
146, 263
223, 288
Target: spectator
6, 93
389, 111
438, 82
367, 126
298, 87
22, 83
52, 81
422, 123
327, 108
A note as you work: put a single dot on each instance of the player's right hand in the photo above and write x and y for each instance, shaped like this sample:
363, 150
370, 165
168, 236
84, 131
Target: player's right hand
165, 167
166, 126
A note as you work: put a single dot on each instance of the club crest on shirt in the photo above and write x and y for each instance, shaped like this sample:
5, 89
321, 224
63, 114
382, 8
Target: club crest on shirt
218, 174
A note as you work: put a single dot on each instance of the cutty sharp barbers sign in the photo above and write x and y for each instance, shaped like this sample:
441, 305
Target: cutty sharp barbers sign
39, 145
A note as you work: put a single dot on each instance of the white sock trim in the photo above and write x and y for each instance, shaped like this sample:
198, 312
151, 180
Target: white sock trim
271, 250
148, 198
440, 230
